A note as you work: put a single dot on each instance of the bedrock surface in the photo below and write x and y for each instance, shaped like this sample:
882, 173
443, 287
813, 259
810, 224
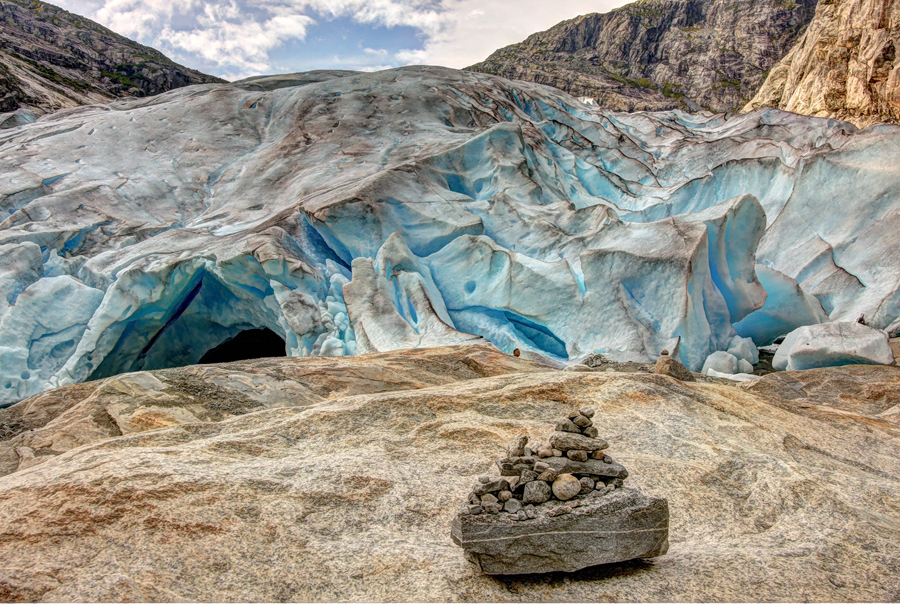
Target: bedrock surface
471, 205
772, 497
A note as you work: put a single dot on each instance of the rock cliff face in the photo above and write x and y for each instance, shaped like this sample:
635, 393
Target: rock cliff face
660, 54
51, 59
845, 66
784, 489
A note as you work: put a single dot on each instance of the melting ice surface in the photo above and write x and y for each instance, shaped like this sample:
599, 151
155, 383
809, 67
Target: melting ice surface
427, 206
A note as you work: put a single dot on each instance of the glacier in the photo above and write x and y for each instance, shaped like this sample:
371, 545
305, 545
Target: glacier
352, 213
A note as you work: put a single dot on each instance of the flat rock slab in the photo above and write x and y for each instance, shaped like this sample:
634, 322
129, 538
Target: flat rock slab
621, 526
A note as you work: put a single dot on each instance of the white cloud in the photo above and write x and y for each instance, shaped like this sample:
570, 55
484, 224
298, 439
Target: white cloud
233, 37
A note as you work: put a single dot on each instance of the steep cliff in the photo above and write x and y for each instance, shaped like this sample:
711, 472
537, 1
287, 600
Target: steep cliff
660, 54
51, 59
845, 66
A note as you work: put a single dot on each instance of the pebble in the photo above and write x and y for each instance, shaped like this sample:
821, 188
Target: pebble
587, 484
513, 506
488, 499
494, 486
566, 487
577, 455
582, 422
536, 491
557, 453
586, 411
475, 509
531, 514
484, 479
527, 476
548, 475
541, 466
600, 492
591, 432
573, 414
505, 496
544, 452
598, 455
491, 508
567, 425
522, 515
513, 483
559, 511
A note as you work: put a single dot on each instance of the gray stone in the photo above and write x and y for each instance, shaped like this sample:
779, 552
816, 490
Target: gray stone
545, 451
565, 441
591, 432
587, 484
621, 526
505, 496
557, 453
577, 455
548, 475
559, 511
566, 487
522, 515
582, 421
491, 508
527, 476
573, 414
475, 509
494, 486
527, 452
512, 506
488, 499
484, 479
517, 447
536, 491
591, 467
567, 425
531, 513
541, 466
586, 411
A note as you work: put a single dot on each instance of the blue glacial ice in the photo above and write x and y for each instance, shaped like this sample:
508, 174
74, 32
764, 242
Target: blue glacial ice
424, 206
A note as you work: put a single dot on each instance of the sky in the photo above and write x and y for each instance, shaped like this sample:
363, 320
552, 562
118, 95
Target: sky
234, 39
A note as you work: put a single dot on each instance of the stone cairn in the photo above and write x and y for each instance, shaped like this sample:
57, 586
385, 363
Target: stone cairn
559, 506
538, 473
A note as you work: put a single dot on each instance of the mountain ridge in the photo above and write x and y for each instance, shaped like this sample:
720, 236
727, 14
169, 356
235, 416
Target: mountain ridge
660, 54
52, 59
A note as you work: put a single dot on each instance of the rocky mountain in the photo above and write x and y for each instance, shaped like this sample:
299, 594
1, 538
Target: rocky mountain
660, 54
845, 65
361, 213
215, 484
52, 59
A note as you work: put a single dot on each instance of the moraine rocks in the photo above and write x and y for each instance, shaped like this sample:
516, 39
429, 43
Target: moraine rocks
550, 511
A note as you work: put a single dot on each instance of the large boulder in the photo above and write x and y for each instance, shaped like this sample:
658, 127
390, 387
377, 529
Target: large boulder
832, 345
623, 525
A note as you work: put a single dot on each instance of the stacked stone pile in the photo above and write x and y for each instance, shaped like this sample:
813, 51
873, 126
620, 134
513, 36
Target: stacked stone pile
571, 467
559, 506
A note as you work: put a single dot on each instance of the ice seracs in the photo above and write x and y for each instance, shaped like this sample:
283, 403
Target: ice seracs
420, 206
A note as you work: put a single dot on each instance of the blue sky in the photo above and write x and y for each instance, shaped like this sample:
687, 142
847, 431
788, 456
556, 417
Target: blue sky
234, 39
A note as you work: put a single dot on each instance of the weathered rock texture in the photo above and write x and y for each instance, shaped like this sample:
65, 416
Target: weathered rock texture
350, 498
660, 54
51, 59
55, 422
845, 65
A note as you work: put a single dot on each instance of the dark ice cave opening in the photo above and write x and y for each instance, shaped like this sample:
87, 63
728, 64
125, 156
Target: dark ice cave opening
249, 344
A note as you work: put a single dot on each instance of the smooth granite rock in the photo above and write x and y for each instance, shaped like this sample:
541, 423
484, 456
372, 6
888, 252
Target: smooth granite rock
566, 441
624, 525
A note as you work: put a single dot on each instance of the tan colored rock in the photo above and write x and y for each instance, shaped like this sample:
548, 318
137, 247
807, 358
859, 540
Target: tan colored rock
565, 487
770, 500
54, 422
666, 365
844, 66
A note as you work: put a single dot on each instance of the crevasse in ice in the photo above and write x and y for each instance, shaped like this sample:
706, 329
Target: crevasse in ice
427, 206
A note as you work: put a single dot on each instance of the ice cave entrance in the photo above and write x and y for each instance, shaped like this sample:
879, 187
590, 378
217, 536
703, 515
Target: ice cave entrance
249, 344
